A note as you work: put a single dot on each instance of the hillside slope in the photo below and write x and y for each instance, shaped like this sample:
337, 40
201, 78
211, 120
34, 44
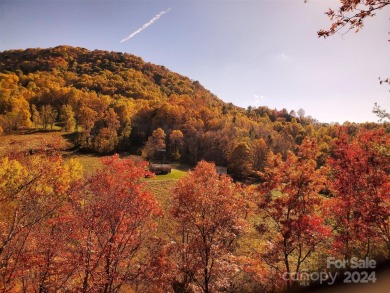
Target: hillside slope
114, 101
107, 73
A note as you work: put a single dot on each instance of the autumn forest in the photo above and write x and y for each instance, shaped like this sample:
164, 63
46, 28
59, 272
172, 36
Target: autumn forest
295, 192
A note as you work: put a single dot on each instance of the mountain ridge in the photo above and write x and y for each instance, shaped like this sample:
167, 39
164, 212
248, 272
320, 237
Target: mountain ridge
72, 58
116, 101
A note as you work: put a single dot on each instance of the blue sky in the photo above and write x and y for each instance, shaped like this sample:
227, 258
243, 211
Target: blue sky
263, 52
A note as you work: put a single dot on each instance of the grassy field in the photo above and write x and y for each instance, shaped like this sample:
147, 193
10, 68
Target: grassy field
160, 185
175, 174
29, 141
162, 189
90, 163
32, 141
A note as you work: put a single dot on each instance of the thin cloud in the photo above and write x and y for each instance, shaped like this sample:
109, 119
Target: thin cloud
153, 20
285, 57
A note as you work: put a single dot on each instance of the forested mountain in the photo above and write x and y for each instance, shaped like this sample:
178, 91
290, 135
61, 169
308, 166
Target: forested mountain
115, 101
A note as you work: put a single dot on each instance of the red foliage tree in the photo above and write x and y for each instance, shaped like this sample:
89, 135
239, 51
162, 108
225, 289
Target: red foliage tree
289, 204
32, 190
47, 260
361, 185
207, 212
113, 218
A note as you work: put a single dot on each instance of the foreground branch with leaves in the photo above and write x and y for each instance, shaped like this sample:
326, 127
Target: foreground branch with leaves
351, 15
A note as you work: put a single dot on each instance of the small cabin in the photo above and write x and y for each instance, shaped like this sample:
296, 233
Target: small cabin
160, 169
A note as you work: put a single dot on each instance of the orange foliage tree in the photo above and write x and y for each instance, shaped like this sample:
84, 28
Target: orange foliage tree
61, 232
113, 219
288, 203
176, 144
32, 190
207, 211
155, 143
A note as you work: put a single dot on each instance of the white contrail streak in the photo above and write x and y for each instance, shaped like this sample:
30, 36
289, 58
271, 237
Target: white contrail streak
153, 20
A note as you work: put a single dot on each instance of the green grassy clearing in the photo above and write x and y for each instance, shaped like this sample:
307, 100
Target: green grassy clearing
174, 175
33, 140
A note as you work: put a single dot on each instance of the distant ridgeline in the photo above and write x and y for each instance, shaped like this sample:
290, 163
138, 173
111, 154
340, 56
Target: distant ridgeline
115, 101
